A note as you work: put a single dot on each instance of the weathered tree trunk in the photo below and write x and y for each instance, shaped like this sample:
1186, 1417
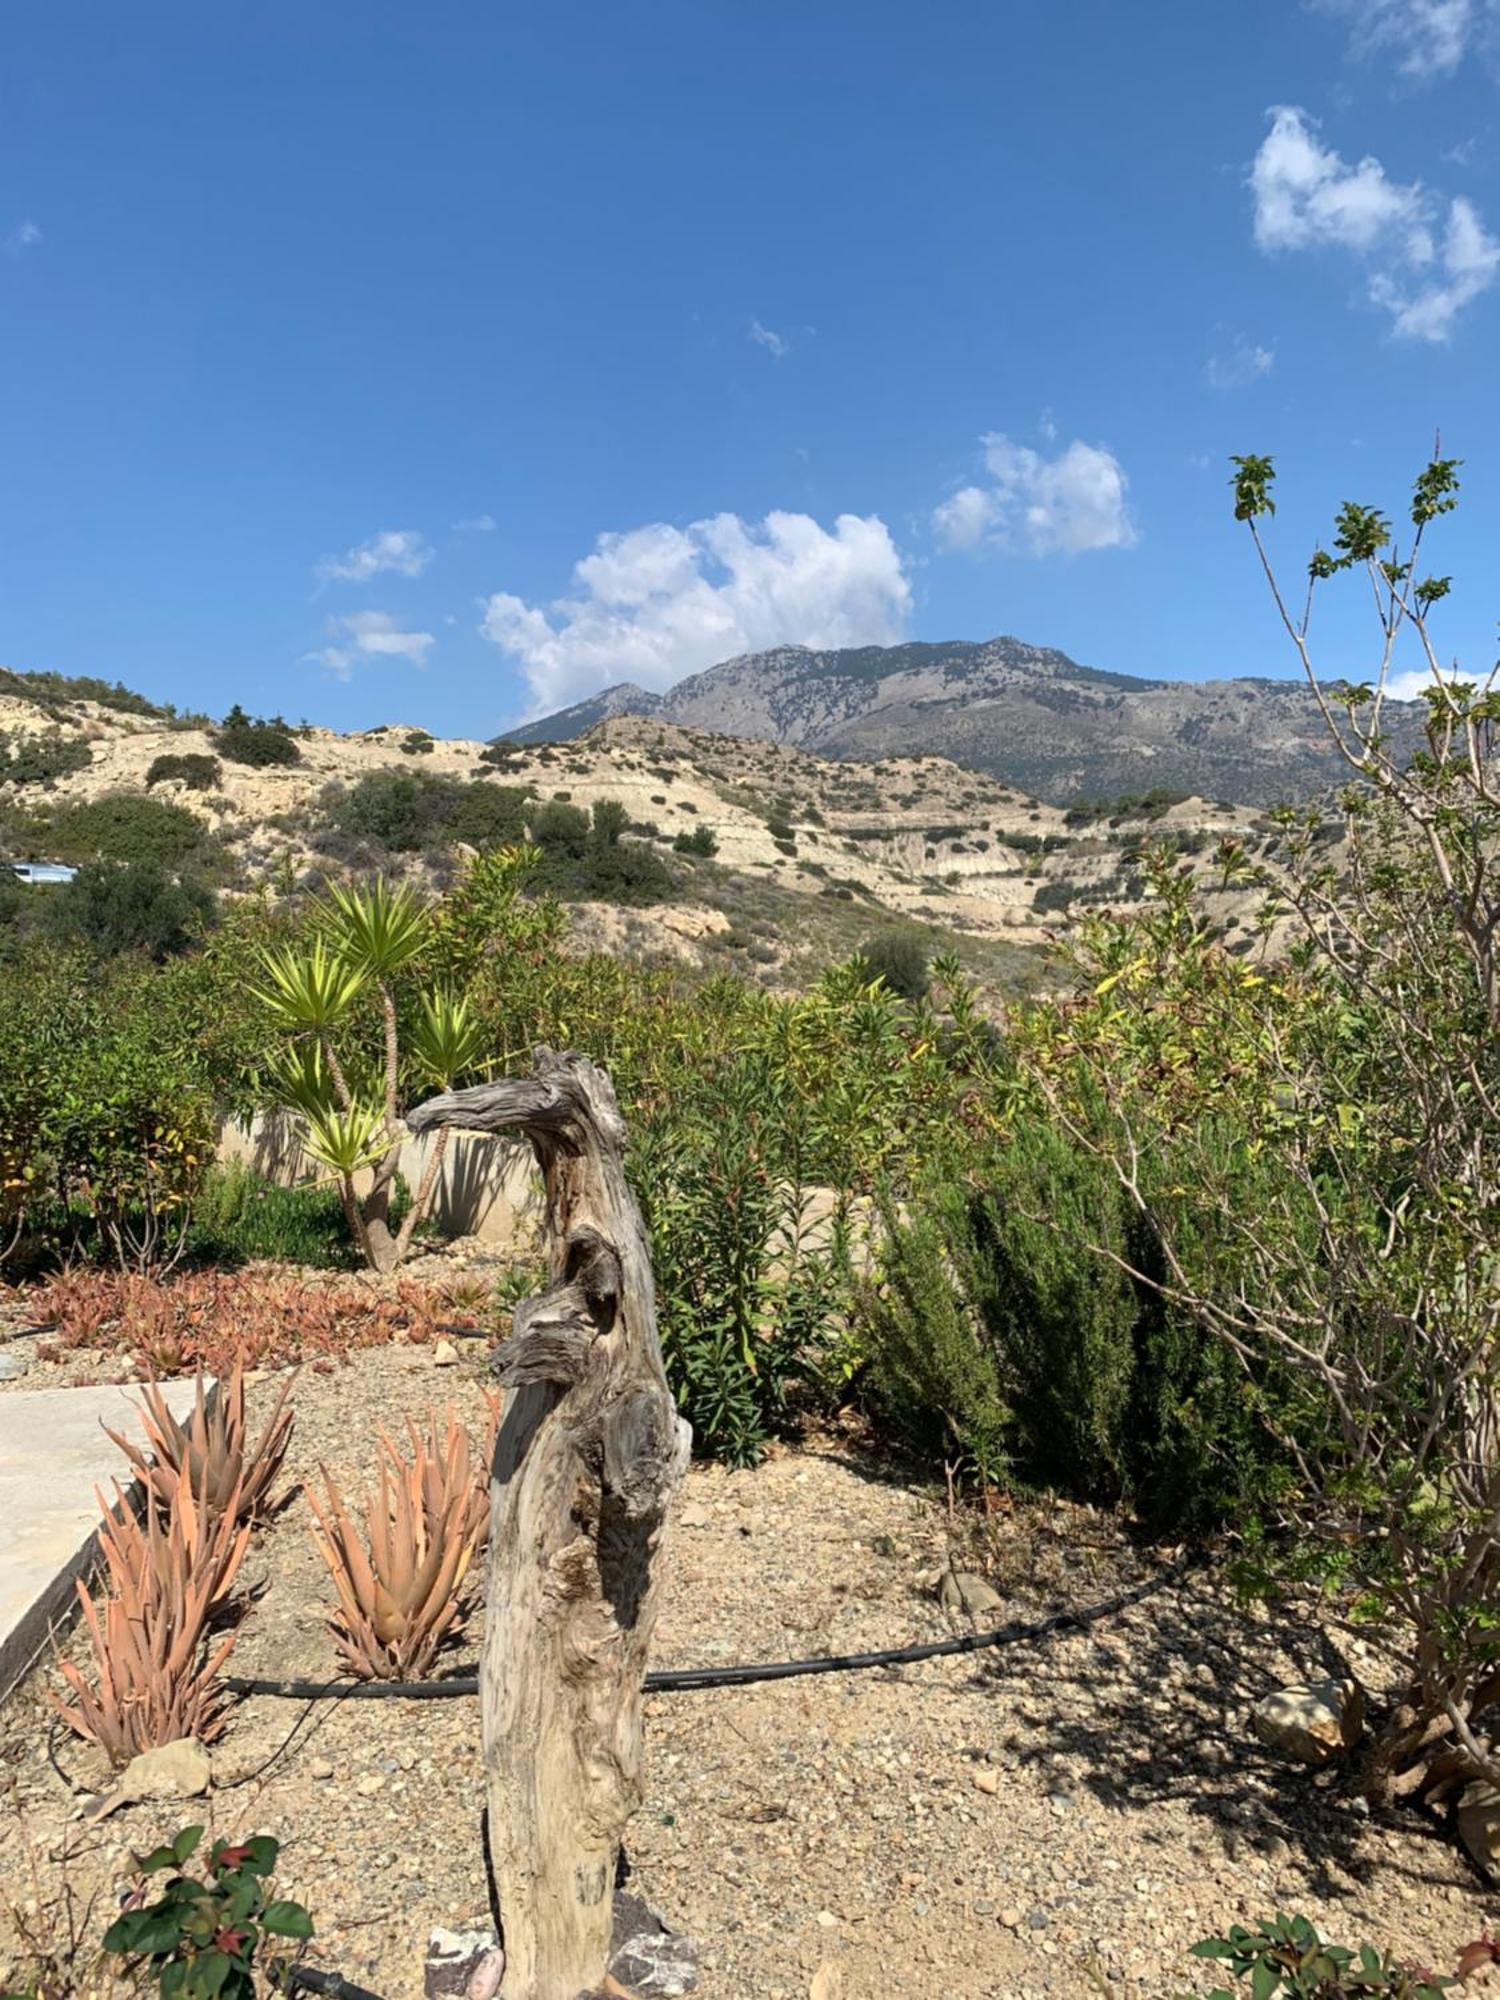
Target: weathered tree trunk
589, 1450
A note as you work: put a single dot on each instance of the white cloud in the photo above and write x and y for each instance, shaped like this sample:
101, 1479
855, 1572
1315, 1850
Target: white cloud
776, 344
370, 635
660, 602
23, 236
1429, 38
1239, 364
476, 524
401, 550
1426, 258
1064, 505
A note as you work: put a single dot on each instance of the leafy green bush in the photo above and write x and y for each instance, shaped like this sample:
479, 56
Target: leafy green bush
203, 1938
1007, 1324
747, 1300
417, 743
198, 772
900, 959
245, 739
106, 1127
239, 1217
41, 760
586, 856
702, 842
1286, 1959
405, 812
114, 906
127, 826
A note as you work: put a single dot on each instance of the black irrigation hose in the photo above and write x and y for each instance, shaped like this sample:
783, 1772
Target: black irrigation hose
308, 1979
684, 1680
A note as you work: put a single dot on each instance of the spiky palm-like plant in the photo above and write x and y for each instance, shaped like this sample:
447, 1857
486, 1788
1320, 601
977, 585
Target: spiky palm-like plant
366, 936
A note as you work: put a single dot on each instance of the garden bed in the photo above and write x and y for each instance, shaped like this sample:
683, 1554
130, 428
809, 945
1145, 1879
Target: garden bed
989, 1825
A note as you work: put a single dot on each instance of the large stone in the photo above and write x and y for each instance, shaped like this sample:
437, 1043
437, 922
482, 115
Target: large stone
646, 1958
462, 1965
1312, 1724
178, 1770
961, 1591
1479, 1824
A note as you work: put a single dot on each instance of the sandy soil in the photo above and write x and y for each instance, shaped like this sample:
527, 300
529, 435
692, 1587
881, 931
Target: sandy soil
991, 1825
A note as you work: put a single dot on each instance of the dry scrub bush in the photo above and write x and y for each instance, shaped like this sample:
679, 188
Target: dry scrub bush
155, 1671
400, 1589
213, 1449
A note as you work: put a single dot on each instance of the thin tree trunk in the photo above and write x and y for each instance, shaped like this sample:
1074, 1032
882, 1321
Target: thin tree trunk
588, 1453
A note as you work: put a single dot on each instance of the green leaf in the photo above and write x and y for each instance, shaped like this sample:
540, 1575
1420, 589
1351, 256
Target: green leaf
287, 1919
1264, 1981
185, 1843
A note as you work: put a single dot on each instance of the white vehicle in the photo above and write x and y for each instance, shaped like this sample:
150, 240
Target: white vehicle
36, 873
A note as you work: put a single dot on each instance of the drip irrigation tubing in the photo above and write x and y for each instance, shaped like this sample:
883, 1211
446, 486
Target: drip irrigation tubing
308, 1979
688, 1680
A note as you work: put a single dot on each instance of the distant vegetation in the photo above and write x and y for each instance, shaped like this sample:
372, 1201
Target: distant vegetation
62, 691
409, 812
197, 772
244, 739
41, 760
1152, 804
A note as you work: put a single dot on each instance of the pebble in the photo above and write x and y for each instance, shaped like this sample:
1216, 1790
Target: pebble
987, 1782
370, 1784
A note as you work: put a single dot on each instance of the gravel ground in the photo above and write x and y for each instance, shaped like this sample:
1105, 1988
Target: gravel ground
1015, 1823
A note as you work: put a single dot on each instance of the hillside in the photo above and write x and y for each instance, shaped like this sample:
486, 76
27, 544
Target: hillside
1025, 715
811, 855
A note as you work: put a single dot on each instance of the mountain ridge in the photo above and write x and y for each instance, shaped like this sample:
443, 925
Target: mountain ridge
1027, 715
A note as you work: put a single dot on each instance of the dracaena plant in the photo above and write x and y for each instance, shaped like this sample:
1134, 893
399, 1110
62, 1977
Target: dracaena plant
204, 1936
343, 1073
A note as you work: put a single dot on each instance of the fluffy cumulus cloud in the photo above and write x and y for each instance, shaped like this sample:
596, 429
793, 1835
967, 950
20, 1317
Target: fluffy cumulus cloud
1030, 504
370, 635
1426, 38
399, 551
659, 602
1425, 257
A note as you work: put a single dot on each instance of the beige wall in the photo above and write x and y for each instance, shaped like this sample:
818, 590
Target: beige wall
487, 1188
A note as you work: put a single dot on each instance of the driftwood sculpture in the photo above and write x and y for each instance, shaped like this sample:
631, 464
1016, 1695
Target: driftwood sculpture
589, 1449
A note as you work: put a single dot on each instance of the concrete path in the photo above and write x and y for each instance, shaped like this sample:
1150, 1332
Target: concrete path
53, 1453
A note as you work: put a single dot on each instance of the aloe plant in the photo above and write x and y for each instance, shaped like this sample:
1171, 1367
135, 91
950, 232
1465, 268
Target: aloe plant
400, 1585
224, 1471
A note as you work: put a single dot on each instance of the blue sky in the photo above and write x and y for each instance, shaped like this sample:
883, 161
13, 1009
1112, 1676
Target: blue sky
447, 363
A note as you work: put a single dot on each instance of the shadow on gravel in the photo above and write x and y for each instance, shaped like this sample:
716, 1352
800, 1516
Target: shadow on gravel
1153, 1705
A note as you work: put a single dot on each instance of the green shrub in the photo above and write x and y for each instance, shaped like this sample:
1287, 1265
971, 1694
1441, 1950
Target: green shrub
239, 1217
41, 760
1284, 1958
406, 812
702, 842
1007, 1322
584, 856
417, 744
106, 1128
244, 739
198, 772
747, 1306
900, 959
114, 906
211, 1936
561, 830
127, 826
